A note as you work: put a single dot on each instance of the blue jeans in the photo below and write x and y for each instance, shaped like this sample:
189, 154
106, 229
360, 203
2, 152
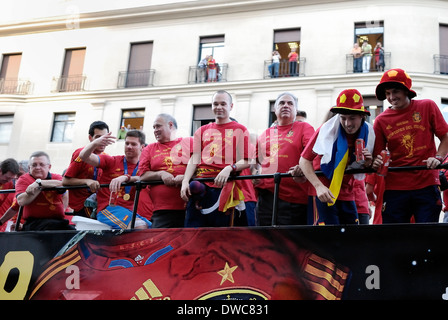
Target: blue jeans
357, 65
342, 212
273, 69
400, 205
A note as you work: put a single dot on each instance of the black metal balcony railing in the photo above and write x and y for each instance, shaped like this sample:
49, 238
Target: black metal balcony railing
14, 86
202, 75
440, 64
135, 79
284, 69
69, 84
351, 67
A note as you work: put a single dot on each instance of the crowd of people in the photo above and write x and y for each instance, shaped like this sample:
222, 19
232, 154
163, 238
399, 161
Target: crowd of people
196, 175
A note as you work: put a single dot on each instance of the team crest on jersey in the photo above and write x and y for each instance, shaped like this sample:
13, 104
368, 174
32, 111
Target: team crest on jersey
78, 159
416, 116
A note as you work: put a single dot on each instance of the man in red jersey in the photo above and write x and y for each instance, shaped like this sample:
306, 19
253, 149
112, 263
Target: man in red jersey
407, 129
116, 203
81, 173
166, 160
220, 148
278, 150
42, 209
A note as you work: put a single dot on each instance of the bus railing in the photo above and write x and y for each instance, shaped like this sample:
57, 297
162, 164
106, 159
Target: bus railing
139, 185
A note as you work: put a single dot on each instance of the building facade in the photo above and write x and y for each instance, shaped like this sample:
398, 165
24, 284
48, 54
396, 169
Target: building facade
65, 64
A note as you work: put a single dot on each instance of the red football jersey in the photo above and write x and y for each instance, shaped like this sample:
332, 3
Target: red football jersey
188, 264
278, 150
220, 145
81, 170
173, 158
409, 135
48, 203
113, 166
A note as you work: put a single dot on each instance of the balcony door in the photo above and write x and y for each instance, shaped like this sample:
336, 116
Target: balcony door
72, 78
139, 65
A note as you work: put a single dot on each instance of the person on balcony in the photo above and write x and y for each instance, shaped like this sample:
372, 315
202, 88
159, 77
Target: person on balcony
379, 57
275, 65
366, 56
201, 70
357, 58
211, 69
293, 57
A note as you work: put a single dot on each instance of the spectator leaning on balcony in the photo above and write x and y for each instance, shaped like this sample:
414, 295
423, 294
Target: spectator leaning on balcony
201, 70
166, 160
211, 69
117, 211
293, 58
42, 209
407, 128
333, 144
366, 56
81, 173
357, 58
379, 57
220, 148
278, 150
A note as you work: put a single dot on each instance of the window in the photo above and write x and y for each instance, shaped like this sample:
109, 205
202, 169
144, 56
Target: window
63, 127
202, 114
5, 128
375, 107
214, 46
285, 42
443, 43
72, 78
9, 73
133, 119
372, 32
139, 74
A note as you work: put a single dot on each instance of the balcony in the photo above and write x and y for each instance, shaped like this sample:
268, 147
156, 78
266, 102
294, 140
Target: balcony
14, 86
136, 79
69, 84
285, 69
201, 75
440, 64
350, 63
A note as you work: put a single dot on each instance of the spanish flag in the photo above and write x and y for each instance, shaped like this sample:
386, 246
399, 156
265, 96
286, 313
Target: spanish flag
332, 144
231, 196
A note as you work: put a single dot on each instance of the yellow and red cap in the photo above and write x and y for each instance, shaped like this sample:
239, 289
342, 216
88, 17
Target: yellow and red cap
350, 101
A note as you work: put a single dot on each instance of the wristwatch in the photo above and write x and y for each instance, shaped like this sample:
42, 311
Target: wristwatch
39, 182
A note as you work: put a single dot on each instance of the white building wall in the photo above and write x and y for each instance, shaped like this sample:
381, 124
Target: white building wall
411, 34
